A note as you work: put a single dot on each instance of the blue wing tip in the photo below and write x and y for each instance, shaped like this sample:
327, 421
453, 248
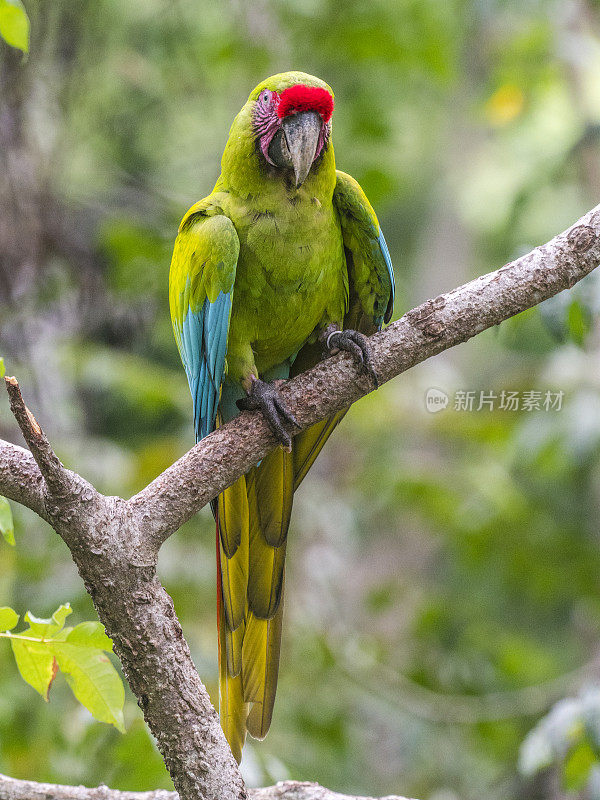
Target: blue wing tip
390, 267
205, 345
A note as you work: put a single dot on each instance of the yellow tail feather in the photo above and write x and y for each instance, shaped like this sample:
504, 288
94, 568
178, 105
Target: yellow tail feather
265, 569
233, 527
274, 489
253, 518
233, 643
233, 711
260, 657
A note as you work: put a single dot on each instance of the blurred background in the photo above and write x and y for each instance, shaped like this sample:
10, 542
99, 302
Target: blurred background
442, 630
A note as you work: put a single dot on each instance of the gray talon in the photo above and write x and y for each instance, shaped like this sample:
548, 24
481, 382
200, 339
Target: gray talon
265, 397
357, 345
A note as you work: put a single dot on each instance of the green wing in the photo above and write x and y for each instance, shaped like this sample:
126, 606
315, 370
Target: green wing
367, 257
200, 295
371, 279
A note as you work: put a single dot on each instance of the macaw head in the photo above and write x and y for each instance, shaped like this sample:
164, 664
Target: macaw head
291, 121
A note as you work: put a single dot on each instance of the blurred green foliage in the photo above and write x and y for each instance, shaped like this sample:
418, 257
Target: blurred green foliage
7, 528
442, 589
14, 24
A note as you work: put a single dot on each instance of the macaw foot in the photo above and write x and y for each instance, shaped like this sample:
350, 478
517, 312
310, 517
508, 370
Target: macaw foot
357, 345
265, 397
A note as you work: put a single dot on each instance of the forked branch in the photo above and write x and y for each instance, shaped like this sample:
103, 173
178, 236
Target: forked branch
115, 542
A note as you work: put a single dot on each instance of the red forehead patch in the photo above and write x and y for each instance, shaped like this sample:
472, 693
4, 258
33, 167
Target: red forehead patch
305, 98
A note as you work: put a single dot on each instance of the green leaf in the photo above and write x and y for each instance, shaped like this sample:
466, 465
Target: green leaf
90, 634
14, 24
46, 628
36, 664
7, 528
578, 765
2, 368
78, 653
60, 615
93, 680
579, 322
8, 618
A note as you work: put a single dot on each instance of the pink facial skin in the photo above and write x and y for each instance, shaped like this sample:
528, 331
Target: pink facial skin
271, 108
265, 120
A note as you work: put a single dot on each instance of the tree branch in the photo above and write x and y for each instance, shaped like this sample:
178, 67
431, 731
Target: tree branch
20, 478
436, 325
12, 789
55, 475
115, 542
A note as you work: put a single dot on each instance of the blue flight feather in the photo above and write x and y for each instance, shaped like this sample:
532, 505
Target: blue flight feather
388, 263
204, 344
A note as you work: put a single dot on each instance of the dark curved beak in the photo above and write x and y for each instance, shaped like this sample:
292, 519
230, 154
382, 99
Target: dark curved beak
302, 133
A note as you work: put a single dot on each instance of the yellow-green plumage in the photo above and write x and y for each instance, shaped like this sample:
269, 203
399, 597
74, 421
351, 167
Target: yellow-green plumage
260, 269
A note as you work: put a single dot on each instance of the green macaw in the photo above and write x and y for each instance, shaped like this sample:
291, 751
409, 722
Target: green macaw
284, 259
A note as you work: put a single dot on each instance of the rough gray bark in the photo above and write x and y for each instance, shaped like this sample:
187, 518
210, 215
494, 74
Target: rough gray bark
21, 478
115, 542
11, 789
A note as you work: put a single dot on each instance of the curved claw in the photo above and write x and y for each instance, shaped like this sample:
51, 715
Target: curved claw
357, 345
265, 397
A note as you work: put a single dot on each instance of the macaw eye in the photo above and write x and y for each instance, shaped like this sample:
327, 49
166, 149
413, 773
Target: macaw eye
266, 97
